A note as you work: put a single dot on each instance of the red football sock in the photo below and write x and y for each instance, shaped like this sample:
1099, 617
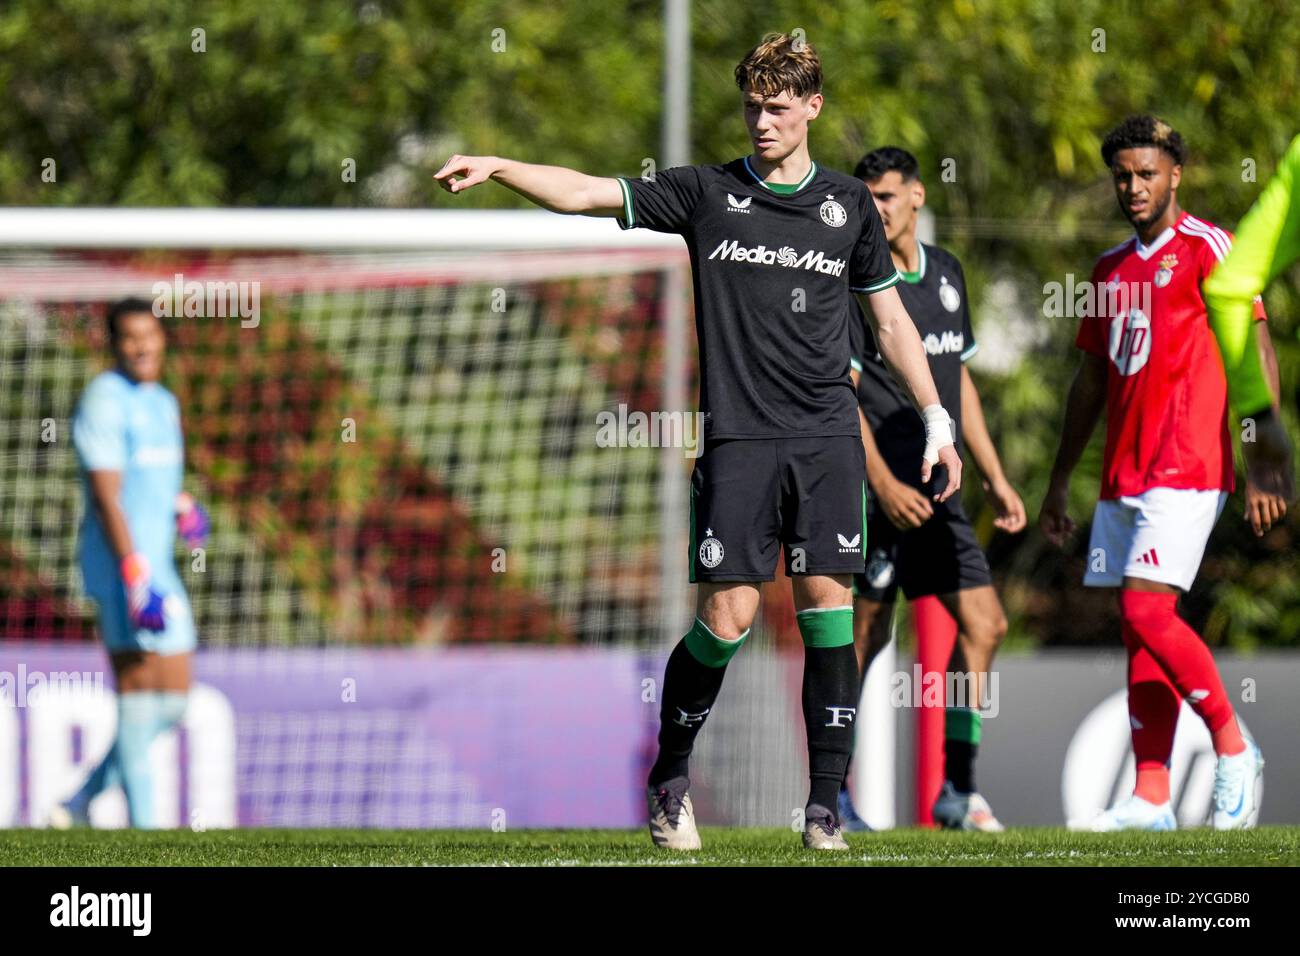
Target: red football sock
1153, 785
1185, 659
1153, 704
1227, 739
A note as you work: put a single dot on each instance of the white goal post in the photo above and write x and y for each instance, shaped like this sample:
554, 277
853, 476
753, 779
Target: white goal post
37, 227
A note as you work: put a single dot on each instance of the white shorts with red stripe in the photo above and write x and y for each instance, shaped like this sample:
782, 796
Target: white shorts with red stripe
1159, 535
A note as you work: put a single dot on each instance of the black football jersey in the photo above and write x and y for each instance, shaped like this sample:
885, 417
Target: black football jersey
936, 300
772, 275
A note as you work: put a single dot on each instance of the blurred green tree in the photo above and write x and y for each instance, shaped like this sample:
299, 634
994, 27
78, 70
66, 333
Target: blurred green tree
1005, 104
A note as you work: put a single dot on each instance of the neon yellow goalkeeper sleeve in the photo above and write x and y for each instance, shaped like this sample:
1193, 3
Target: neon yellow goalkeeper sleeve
1267, 241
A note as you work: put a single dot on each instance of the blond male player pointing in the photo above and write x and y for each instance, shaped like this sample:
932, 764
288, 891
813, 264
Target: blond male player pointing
783, 462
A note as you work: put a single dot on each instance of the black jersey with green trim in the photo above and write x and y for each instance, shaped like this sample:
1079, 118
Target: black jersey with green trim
772, 275
935, 297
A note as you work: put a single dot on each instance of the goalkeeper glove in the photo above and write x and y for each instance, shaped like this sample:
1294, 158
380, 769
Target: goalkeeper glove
191, 520
144, 605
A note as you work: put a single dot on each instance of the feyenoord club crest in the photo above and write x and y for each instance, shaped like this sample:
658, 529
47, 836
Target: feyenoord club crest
833, 213
949, 297
1166, 271
710, 550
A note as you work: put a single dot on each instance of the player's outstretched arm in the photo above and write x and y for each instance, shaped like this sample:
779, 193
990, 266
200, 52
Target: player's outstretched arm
551, 187
900, 346
1083, 408
1006, 502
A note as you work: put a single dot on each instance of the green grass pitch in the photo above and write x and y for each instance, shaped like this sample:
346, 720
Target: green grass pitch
1271, 846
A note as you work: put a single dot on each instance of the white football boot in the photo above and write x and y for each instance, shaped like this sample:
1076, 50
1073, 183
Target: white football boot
672, 818
821, 831
964, 811
1134, 813
67, 815
1238, 789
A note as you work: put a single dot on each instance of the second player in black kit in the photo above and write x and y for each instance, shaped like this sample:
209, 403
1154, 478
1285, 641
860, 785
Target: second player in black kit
915, 541
942, 555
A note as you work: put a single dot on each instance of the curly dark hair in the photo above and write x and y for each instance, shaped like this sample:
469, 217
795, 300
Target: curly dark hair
1144, 130
886, 159
123, 307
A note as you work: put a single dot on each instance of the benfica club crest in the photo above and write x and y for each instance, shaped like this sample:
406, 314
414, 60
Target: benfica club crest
1166, 270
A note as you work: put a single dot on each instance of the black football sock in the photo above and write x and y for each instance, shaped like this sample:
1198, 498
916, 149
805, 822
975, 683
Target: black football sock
830, 698
848, 767
692, 680
960, 747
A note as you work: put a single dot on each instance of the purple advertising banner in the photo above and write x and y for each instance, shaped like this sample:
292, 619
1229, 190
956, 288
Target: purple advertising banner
462, 737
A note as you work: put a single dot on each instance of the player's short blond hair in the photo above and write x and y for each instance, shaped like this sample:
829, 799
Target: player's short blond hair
781, 62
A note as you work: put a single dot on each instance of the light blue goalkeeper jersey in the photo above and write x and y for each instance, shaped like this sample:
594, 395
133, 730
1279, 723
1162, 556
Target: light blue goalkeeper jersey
134, 428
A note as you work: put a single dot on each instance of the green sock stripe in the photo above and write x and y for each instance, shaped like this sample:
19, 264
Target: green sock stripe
826, 626
962, 723
709, 649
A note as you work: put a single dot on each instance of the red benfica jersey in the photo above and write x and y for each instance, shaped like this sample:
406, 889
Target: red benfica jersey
1166, 395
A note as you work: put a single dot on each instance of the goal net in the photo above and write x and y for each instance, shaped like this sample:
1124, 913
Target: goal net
413, 431
398, 446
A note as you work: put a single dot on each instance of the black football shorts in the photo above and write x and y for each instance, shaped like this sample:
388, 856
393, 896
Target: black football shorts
806, 495
940, 557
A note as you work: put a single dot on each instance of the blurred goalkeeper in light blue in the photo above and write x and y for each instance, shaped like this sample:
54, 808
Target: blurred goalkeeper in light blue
127, 434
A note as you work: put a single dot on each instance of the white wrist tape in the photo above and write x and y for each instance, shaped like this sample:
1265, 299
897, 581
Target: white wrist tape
938, 431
